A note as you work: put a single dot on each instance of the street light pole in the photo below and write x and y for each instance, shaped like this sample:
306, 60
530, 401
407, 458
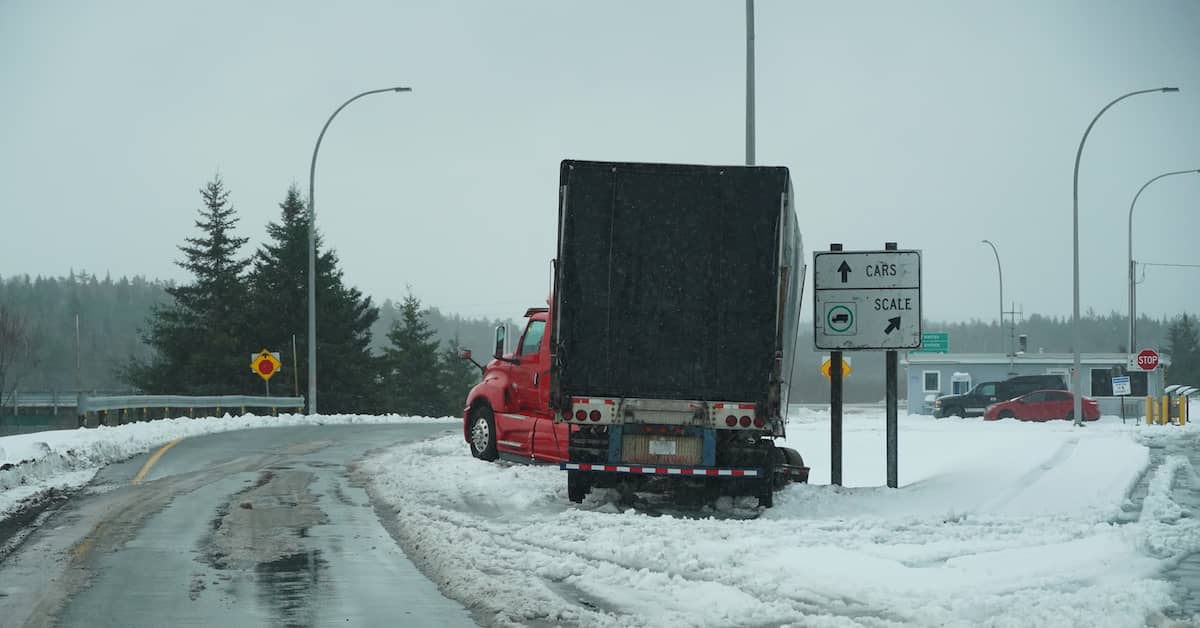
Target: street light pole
1132, 282
1000, 273
1075, 378
749, 82
312, 250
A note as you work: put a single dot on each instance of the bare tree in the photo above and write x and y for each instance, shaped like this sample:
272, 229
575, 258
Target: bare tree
18, 355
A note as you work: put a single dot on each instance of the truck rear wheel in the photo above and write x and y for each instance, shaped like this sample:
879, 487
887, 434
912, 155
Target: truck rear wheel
483, 433
578, 486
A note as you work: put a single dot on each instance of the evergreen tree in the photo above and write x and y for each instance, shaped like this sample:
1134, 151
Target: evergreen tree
198, 339
458, 376
347, 372
412, 379
1183, 346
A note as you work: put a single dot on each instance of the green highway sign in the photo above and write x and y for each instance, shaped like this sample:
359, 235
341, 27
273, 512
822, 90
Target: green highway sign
934, 342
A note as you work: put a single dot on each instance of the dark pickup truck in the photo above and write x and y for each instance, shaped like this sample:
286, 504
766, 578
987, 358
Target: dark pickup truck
984, 394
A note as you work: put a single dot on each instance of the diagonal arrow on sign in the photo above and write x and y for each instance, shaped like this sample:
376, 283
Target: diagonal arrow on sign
893, 325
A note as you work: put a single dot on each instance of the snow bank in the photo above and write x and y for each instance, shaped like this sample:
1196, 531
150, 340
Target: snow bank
32, 463
995, 524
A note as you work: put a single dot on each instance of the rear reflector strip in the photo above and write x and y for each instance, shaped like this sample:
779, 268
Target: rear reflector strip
654, 470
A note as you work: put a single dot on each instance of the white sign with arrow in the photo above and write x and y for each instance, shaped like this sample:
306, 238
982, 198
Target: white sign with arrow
867, 300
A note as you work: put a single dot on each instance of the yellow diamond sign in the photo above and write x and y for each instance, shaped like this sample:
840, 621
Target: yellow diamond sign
827, 364
265, 364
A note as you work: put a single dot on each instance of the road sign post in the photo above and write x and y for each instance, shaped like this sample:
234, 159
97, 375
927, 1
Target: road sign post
890, 397
835, 407
866, 300
1121, 388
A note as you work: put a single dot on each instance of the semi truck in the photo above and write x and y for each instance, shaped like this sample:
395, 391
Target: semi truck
663, 356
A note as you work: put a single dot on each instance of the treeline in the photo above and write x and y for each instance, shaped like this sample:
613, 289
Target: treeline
78, 329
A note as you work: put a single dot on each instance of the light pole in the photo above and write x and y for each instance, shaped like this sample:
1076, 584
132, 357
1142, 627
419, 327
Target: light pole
1132, 283
1000, 273
749, 82
1075, 377
312, 251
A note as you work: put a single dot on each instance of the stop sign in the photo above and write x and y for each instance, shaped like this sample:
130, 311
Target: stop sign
266, 367
1147, 360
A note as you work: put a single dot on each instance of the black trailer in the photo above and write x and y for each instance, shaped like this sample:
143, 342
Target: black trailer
677, 291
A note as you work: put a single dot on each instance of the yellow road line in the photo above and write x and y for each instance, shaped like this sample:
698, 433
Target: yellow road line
137, 479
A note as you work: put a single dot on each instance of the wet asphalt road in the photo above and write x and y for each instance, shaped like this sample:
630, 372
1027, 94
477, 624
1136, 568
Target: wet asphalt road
266, 527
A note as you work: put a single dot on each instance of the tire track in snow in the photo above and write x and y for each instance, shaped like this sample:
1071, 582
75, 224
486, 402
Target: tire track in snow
1031, 477
566, 572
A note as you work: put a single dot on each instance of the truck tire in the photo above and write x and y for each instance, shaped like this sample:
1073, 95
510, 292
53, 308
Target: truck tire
482, 433
577, 486
958, 412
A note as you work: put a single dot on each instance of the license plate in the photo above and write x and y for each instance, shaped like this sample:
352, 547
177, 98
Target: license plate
660, 447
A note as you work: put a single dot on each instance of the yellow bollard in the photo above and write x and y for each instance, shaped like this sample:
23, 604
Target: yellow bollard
1149, 410
1165, 417
1183, 410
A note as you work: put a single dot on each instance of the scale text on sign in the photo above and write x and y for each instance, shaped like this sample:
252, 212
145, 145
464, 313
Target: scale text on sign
893, 304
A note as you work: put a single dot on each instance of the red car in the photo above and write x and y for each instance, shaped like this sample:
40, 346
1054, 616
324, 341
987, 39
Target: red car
1042, 405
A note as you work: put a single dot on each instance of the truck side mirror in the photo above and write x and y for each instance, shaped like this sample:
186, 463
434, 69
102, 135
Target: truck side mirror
500, 331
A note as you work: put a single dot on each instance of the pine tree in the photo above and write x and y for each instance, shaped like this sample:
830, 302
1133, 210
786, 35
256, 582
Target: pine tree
1183, 346
413, 380
347, 372
199, 338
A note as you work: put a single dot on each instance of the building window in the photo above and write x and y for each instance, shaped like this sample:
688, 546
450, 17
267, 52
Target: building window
933, 381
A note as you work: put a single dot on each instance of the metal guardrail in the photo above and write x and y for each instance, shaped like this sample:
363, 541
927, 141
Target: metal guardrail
88, 404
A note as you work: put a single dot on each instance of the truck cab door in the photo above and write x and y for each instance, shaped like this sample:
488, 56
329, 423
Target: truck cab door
528, 374
515, 426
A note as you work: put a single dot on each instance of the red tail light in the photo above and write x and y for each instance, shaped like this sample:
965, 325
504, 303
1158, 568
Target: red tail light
759, 421
580, 415
595, 415
731, 420
745, 421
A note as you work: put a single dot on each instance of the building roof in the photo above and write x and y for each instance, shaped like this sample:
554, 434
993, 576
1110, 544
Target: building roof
1107, 359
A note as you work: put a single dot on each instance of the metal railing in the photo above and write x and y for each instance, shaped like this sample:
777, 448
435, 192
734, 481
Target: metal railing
88, 404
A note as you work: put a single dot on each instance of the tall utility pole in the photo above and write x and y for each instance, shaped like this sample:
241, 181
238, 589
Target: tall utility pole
749, 82
312, 250
1076, 377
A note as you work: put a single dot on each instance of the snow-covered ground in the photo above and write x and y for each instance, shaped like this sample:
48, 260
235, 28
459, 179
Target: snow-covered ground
70, 458
995, 524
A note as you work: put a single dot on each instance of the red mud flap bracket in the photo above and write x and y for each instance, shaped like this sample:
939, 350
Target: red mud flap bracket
669, 471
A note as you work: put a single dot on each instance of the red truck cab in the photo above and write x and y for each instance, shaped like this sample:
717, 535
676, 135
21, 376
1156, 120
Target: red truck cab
508, 413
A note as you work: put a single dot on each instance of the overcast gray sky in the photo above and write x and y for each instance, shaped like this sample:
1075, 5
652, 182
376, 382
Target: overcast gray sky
934, 124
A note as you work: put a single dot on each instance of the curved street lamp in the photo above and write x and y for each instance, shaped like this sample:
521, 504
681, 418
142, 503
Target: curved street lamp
312, 251
1000, 273
1075, 378
1132, 283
